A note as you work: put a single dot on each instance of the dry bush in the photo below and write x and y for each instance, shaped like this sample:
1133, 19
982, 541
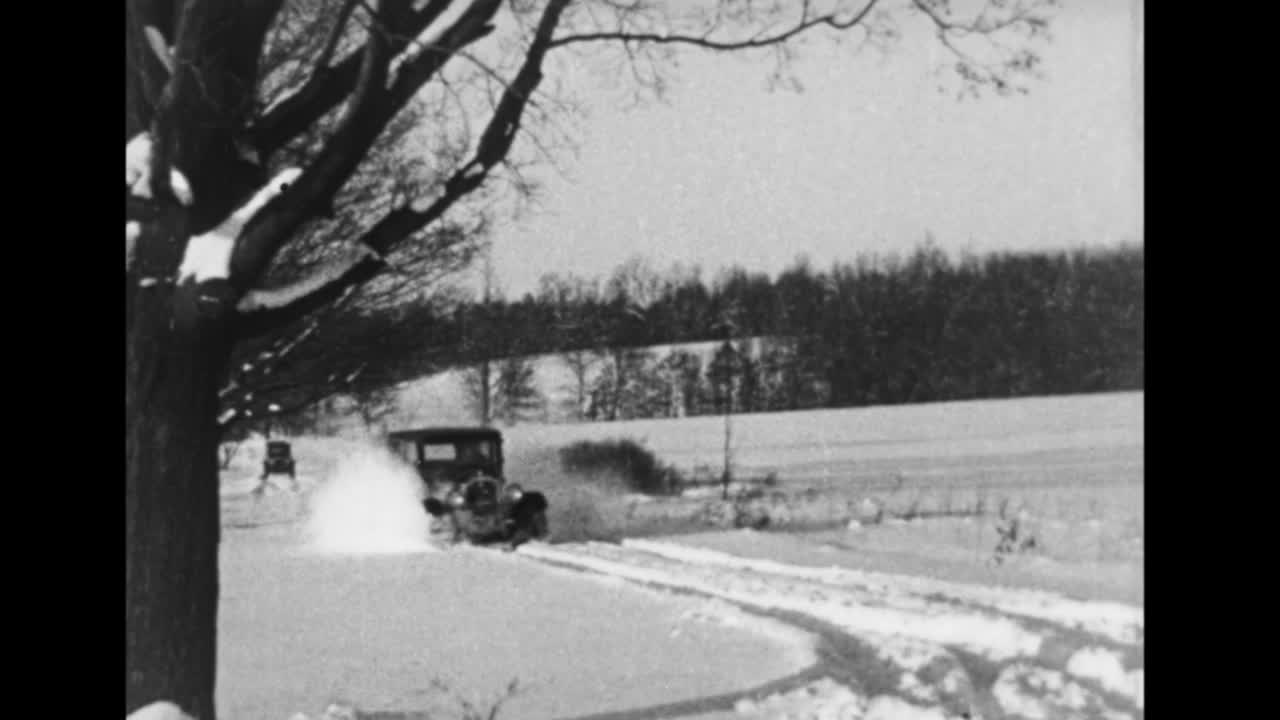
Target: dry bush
585, 513
637, 466
471, 711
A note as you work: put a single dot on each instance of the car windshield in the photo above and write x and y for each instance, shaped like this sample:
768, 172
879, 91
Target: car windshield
278, 450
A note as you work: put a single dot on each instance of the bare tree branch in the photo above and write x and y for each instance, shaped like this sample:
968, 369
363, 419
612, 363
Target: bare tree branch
401, 223
278, 298
268, 359
333, 285
335, 34
705, 41
143, 64
328, 86
368, 115
432, 54
988, 26
356, 132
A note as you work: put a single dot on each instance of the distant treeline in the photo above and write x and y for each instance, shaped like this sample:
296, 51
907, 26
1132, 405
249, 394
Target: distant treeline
878, 331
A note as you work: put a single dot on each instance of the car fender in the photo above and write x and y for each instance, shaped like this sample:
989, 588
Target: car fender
530, 503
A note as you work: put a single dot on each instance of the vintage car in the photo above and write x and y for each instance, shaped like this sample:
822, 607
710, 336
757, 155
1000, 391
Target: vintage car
464, 485
279, 460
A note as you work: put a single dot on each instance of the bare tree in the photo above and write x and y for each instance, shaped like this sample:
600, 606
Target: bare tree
248, 122
628, 385
503, 389
572, 300
516, 394
482, 340
636, 282
374, 405
581, 364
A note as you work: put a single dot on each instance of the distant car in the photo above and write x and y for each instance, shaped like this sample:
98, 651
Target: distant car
462, 473
279, 460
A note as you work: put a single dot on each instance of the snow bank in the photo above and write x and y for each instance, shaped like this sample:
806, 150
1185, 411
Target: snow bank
1104, 666
1039, 694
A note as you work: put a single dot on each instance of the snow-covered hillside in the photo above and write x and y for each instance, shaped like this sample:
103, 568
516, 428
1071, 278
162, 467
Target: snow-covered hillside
442, 398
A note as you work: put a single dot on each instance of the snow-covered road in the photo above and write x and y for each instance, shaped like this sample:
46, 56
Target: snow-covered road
300, 628
651, 629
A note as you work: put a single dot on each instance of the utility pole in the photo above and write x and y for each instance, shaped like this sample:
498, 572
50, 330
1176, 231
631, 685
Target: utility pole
726, 477
486, 386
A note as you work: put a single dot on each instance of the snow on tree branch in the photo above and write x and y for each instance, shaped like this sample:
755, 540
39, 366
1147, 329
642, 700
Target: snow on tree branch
163, 52
268, 359
161, 710
208, 255
432, 39
132, 229
334, 271
137, 171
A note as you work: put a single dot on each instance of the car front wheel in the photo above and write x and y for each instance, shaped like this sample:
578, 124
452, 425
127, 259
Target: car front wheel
529, 518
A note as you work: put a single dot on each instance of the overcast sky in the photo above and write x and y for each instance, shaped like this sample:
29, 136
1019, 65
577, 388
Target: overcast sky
868, 158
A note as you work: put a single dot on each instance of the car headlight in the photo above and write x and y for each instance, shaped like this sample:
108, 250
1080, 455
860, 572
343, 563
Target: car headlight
513, 492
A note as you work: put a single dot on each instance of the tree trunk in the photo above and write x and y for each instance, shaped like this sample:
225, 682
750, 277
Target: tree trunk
172, 524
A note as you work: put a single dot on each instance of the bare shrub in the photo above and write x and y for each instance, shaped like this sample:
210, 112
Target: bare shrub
1015, 537
637, 466
750, 509
575, 515
471, 711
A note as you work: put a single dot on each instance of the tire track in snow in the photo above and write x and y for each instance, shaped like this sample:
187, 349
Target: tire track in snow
956, 650
1114, 623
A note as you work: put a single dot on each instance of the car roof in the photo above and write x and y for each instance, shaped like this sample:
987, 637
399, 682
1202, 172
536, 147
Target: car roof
447, 433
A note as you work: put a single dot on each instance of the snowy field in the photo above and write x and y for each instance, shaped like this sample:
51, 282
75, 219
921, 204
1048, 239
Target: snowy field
1070, 468
332, 593
825, 446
